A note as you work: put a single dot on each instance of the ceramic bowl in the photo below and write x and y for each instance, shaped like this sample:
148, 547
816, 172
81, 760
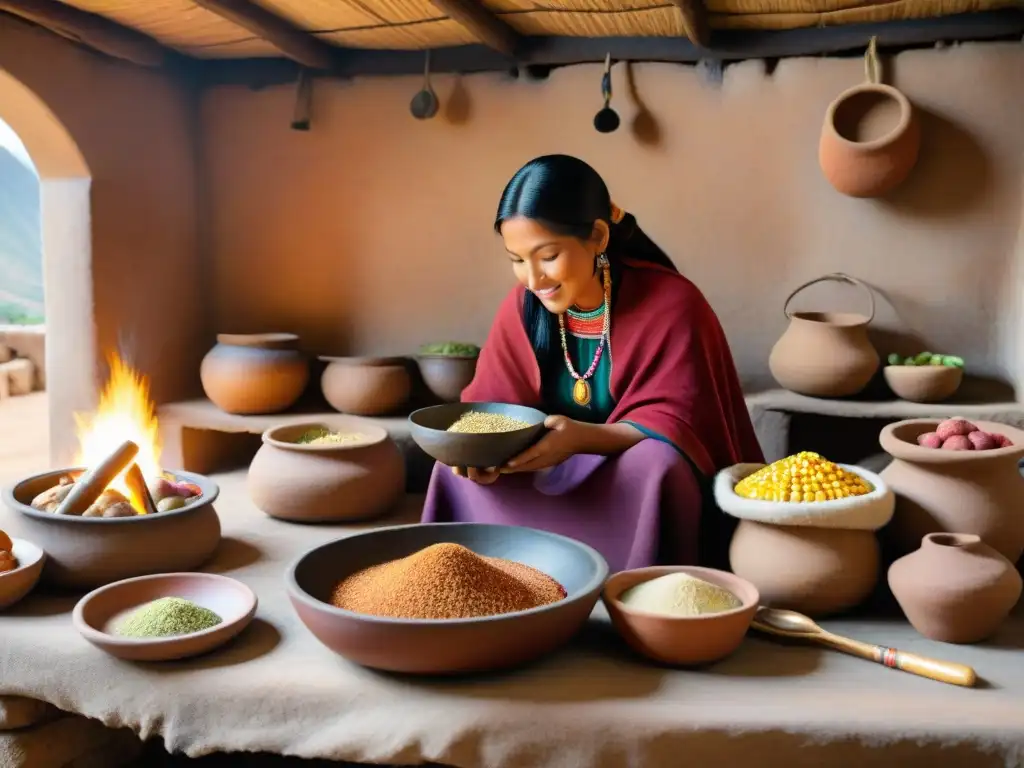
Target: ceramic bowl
681, 640
447, 375
429, 425
88, 552
15, 584
99, 613
424, 646
923, 383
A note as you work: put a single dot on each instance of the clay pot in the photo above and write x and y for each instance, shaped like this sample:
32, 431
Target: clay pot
955, 588
870, 138
254, 374
923, 383
825, 354
89, 552
447, 375
940, 491
327, 483
818, 558
366, 386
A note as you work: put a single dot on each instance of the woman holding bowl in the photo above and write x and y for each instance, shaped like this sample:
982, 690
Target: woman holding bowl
626, 354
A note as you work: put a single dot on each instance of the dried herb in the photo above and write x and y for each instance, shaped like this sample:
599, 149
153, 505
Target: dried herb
167, 617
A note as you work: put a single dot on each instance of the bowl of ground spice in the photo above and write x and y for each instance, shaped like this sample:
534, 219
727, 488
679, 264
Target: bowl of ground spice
479, 435
681, 615
446, 598
165, 616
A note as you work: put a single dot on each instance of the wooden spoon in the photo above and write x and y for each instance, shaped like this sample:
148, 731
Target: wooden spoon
795, 625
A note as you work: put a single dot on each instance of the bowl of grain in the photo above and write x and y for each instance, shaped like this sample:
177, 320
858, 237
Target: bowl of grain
480, 435
446, 598
681, 615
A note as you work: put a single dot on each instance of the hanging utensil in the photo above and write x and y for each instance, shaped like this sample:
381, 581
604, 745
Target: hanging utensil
795, 625
607, 119
424, 104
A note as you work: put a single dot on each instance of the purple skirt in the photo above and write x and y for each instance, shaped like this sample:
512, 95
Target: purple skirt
640, 508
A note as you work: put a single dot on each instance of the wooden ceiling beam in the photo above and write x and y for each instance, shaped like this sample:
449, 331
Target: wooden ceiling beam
297, 45
92, 30
695, 21
488, 28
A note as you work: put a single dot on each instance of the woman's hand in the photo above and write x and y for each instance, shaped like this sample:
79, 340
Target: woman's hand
481, 476
565, 438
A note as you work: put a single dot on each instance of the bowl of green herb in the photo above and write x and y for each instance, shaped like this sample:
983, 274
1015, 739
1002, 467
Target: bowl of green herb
447, 368
165, 616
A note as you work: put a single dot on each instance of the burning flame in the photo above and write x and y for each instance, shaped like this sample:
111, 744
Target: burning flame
125, 412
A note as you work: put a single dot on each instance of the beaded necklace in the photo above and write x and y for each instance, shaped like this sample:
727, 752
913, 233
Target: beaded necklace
581, 393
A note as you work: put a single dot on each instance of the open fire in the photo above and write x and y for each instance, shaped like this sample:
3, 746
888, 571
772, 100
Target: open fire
125, 412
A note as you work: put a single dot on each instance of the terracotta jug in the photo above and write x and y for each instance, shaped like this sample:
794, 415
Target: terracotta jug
254, 373
870, 138
343, 482
955, 588
825, 354
939, 491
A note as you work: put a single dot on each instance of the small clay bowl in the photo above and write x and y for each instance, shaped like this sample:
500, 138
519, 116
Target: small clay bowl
97, 615
923, 383
446, 646
447, 375
681, 640
15, 584
428, 427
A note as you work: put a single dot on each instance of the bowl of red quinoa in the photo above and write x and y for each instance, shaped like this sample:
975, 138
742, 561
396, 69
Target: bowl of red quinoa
446, 598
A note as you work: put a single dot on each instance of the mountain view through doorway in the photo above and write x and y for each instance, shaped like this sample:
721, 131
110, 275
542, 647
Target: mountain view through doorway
21, 250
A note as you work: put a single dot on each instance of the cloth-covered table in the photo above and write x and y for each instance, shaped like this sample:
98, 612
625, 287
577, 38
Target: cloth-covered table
276, 689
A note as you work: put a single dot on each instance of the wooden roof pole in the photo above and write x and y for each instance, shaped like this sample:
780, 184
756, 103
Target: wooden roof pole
695, 21
91, 30
488, 28
297, 45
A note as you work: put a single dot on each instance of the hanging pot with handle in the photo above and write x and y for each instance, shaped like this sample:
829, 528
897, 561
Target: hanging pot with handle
870, 137
825, 354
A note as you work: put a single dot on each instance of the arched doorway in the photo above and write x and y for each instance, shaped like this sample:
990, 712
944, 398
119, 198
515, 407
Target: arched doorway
64, 208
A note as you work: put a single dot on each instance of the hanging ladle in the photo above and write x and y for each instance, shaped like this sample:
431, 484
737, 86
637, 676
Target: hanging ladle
607, 119
424, 104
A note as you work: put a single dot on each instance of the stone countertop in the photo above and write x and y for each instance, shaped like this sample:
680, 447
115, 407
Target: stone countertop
276, 689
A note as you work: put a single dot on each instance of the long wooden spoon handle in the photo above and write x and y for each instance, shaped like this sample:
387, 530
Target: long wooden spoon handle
934, 669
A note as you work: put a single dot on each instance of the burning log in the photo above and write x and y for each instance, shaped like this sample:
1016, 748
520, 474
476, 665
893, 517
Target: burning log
87, 490
140, 492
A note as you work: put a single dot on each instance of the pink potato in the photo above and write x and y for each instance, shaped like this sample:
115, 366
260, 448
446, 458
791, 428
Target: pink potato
930, 440
1003, 440
951, 427
982, 441
957, 443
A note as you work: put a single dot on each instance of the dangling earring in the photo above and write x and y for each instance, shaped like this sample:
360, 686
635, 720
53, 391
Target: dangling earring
602, 260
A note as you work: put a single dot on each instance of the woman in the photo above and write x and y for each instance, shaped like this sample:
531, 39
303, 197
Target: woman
604, 334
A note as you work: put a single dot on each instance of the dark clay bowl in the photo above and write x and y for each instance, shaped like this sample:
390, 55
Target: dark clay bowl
429, 425
424, 646
88, 552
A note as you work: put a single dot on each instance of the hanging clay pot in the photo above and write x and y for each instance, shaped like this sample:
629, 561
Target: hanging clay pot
254, 373
871, 136
366, 386
818, 558
825, 354
955, 588
359, 478
943, 491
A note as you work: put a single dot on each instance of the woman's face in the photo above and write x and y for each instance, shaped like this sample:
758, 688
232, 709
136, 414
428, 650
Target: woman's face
559, 269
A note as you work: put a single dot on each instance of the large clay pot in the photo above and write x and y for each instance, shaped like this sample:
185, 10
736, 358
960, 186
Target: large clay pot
938, 491
818, 558
825, 354
955, 588
870, 138
254, 373
447, 375
366, 386
327, 483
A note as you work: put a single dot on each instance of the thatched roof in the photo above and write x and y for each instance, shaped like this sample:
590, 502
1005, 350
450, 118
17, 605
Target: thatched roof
314, 32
